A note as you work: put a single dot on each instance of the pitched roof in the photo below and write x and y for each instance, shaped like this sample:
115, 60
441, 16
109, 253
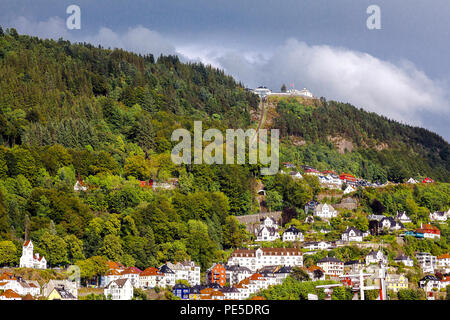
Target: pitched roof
119, 282
150, 271
444, 256
165, 269
131, 270
292, 229
357, 232
63, 293
329, 259
10, 294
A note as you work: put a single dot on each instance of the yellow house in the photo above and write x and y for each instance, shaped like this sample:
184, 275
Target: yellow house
396, 282
60, 294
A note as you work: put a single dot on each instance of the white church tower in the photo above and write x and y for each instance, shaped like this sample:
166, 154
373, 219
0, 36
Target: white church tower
31, 260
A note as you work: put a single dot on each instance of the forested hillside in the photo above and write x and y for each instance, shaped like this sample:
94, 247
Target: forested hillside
380, 148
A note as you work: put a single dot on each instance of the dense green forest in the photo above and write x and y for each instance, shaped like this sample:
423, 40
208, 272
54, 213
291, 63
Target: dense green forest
71, 111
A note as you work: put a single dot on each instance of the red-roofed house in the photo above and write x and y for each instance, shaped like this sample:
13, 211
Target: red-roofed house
429, 231
10, 295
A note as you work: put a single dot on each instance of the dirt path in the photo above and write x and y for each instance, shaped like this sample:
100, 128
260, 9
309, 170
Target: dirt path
262, 118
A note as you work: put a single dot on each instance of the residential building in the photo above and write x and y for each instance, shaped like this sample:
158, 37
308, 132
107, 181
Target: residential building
349, 189
151, 278
429, 231
121, 289
10, 295
295, 175
70, 286
443, 262
353, 234
439, 216
60, 293
332, 266
412, 181
389, 223
292, 234
316, 273
429, 282
407, 261
396, 282
311, 206
80, 186
231, 293
376, 257
403, 217
169, 276
235, 274
426, 261
30, 259
131, 273
181, 290
353, 266
109, 276
317, 245
256, 259
268, 230
325, 211
187, 270
217, 274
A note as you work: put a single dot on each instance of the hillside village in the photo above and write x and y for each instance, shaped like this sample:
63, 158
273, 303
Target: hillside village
274, 253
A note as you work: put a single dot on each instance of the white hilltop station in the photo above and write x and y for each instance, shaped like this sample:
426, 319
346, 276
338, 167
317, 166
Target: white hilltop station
263, 91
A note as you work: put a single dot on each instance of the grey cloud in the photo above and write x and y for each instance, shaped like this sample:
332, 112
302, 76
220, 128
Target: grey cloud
400, 91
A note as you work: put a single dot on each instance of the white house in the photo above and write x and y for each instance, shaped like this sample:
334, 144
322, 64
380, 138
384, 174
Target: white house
407, 261
187, 270
353, 234
412, 181
349, 189
169, 276
402, 217
132, 274
261, 257
235, 273
80, 186
325, 211
426, 261
376, 257
109, 276
292, 234
331, 266
31, 260
439, 215
429, 282
443, 262
390, 224
151, 278
317, 245
268, 230
295, 175
120, 289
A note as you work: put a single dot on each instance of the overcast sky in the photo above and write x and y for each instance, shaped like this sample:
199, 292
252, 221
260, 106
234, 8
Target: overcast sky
401, 71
